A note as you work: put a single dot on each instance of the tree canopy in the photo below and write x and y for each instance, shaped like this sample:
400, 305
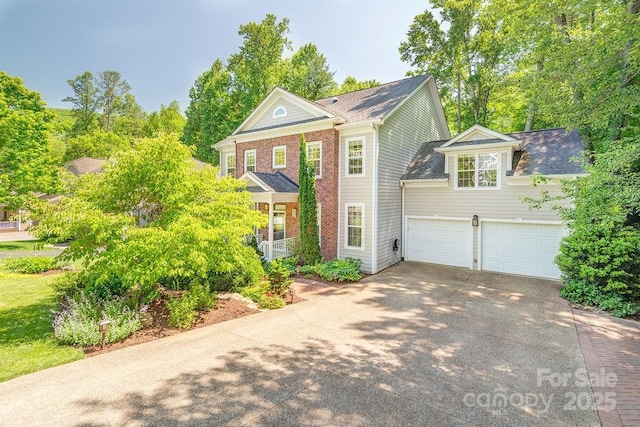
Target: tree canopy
26, 167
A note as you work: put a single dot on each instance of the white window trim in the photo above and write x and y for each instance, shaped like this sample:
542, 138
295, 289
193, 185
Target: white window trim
319, 212
346, 226
318, 143
364, 148
255, 158
225, 171
273, 157
476, 188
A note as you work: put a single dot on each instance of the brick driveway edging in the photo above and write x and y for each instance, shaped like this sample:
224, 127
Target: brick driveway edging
612, 346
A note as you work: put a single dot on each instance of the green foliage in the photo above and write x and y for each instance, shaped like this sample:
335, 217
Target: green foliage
337, 270
95, 143
151, 215
250, 273
272, 303
291, 264
26, 166
278, 275
182, 312
168, 121
604, 256
106, 288
351, 84
309, 237
588, 294
255, 292
77, 321
68, 284
30, 265
204, 299
223, 96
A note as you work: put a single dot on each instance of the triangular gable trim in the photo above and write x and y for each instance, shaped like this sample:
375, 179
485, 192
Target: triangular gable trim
251, 177
404, 100
271, 100
481, 129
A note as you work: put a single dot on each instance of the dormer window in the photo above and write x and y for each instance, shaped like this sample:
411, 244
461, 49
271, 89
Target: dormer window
279, 112
477, 170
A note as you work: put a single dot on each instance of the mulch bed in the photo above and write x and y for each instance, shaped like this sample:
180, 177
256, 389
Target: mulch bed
224, 310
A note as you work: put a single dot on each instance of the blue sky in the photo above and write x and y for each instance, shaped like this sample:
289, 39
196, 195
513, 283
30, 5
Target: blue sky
161, 46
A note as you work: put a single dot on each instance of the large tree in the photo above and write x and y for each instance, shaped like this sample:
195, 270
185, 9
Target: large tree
112, 89
26, 167
169, 120
152, 216
466, 54
223, 96
85, 102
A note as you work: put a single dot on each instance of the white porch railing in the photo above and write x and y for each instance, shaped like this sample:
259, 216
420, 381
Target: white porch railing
277, 249
8, 224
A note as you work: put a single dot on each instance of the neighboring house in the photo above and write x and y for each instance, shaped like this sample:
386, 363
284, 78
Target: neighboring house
360, 144
11, 220
462, 200
85, 165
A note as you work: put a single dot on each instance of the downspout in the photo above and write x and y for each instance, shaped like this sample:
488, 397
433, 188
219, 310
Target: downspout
374, 201
403, 232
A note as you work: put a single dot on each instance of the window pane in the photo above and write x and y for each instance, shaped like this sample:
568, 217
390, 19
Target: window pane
231, 164
279, 156
488, 170
250, 161
354, 226
466, 171
355, 157
313, 155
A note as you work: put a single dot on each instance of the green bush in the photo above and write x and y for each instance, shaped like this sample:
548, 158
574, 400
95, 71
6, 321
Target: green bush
340, 270
69, 284
291, 264
272, 303
309, 270
599, 263
249, 273
77, 321
278, 276
182, 311
30, 265
255, 292
107, 288
203, 299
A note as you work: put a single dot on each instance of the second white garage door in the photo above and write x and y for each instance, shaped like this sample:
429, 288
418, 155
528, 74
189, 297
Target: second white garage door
521, 248
438, 241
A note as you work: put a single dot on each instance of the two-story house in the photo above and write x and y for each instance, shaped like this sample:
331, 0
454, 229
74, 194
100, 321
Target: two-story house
360, 144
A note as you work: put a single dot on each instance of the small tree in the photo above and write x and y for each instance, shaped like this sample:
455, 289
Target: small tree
309, 238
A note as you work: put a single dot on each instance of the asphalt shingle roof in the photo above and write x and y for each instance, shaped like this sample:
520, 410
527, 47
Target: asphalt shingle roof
85, 165
373, 103
278, 182
545, 152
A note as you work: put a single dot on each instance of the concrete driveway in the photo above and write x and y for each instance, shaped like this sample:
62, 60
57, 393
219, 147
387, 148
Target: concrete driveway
413, 345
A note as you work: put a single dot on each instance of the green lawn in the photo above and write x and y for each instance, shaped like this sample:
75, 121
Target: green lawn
26, 245
26, 342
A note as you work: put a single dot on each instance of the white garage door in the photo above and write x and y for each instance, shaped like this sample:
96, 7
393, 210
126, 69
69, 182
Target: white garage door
527, 249
439, 241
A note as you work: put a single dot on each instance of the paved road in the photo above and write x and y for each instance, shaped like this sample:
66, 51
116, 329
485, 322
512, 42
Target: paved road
413, 345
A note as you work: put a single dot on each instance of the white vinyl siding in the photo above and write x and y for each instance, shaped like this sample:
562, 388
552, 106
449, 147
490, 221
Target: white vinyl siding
358, 190
280, 157
355, 156
402, 134
250, 160
314, 155
294, 114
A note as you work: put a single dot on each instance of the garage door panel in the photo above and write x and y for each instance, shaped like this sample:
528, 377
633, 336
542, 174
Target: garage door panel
528, 249
439, 241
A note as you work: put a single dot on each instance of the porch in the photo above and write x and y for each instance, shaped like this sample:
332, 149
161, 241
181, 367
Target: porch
277, 196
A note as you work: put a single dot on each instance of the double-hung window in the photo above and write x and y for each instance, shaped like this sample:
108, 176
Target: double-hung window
478, 170
279, 157
314, 155
354, 232
355, 156
250, 160
230, 165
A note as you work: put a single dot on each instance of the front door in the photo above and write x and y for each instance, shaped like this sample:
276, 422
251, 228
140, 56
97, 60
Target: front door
278, 225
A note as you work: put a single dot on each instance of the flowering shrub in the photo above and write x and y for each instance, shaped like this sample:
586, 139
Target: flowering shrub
77, 321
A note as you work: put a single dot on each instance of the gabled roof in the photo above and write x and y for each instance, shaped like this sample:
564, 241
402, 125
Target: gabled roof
544, 152
85, 165
269, 182
372, 104
480, 135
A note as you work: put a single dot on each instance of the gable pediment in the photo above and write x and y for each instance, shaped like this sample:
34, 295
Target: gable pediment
478, 137
282, 108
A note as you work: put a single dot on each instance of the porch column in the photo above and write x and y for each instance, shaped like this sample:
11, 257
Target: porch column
19, 219
270, 228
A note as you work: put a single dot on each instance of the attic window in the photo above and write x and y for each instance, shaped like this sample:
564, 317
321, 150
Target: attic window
280, 111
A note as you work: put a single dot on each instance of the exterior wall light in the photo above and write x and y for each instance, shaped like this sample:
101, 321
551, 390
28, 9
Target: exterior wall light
474, 221
103, 325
